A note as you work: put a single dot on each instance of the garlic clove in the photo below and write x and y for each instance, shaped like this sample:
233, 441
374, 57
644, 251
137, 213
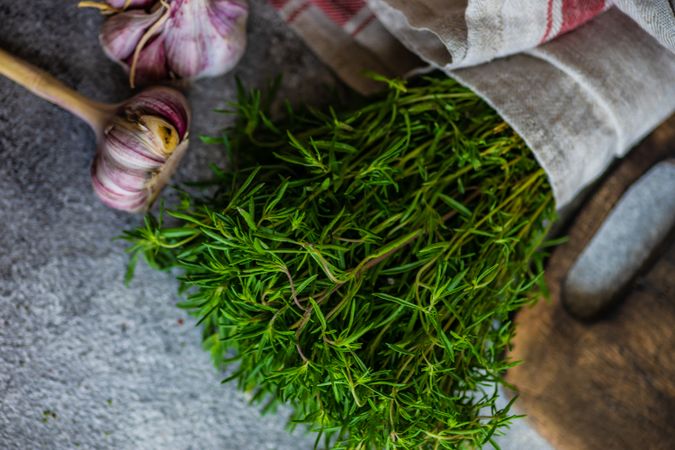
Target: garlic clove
132, 147
205, 38
122, 33
119, 181
228, 19
163, 102
140, 149
165, 133
151, 63
106, 187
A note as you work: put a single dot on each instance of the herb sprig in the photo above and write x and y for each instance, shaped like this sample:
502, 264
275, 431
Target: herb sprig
362, 266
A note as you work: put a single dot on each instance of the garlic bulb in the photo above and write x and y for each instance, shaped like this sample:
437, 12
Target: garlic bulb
140, 141
187, 39
140, 148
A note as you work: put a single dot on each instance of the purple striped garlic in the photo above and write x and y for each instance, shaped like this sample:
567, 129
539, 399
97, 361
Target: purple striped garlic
140, 141
187, 39
140, 148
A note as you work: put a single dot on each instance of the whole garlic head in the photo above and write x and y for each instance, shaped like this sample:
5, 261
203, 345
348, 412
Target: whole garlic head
187, 39
140, 149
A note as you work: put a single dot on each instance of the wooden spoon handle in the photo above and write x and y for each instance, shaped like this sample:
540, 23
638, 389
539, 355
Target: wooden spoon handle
49, 88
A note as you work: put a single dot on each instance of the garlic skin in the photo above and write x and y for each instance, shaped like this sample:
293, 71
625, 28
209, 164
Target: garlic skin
187, 39
140, 149
206, 38
122, 32
125, 4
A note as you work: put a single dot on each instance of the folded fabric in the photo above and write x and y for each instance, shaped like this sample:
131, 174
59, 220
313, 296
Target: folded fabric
582, 99
454, 34
581, 80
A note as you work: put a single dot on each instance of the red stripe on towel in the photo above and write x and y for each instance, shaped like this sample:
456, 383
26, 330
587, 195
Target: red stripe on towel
549, 21
299, 10
363, 25
578, 12
278, 4
340, 12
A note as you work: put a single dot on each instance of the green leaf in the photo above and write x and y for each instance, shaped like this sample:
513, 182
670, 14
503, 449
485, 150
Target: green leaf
131, 268
319, 315
397, 300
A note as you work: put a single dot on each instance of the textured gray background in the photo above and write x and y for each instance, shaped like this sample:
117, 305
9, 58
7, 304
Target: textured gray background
84, 361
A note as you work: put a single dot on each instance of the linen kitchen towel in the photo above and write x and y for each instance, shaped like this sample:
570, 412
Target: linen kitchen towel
581, 80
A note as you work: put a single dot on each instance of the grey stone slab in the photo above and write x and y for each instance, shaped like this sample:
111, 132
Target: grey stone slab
631, 234
84, 361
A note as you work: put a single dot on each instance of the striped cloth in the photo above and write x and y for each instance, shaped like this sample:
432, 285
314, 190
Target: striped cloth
580, 80
346, 35
351, 15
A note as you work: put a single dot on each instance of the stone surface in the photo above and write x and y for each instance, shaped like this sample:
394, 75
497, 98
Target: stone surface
630, 235
84, 361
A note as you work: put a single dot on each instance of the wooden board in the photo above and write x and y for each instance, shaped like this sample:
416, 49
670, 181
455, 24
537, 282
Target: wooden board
607, 384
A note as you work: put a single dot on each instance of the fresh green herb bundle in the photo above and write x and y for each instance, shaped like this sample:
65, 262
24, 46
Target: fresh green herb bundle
364, 270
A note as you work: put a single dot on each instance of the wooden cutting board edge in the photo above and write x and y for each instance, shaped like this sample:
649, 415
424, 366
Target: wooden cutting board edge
534, 324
